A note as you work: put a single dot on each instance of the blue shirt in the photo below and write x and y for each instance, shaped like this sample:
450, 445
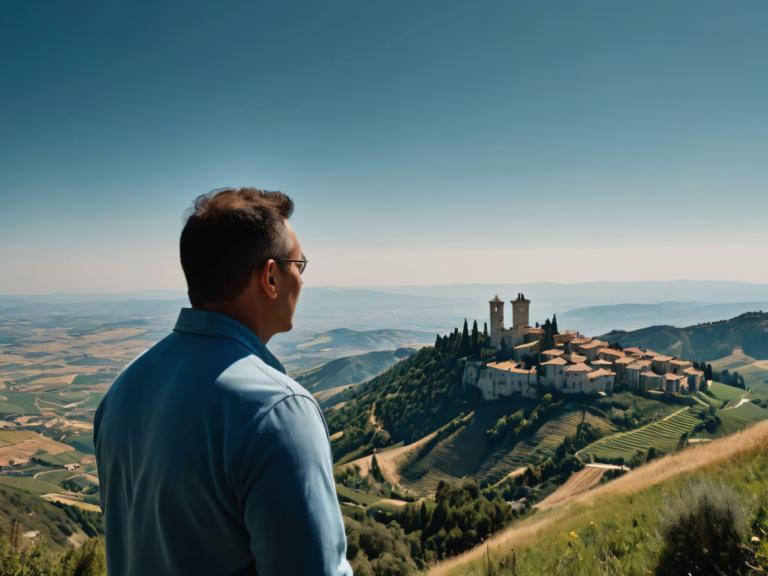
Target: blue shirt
213, 461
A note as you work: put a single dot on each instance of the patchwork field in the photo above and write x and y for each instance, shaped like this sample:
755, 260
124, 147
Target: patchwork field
20, 445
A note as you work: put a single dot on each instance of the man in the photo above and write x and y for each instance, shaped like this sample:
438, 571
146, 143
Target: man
211, 459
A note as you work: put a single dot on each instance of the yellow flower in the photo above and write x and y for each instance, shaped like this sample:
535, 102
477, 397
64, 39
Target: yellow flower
573, 535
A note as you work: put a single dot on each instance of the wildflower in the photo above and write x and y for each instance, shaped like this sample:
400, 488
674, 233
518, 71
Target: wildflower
573, 535
755, 539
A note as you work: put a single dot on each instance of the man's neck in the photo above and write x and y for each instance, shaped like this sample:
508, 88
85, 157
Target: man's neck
249, 318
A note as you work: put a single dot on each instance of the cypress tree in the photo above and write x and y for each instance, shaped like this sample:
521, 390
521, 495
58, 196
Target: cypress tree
474, 339
554, 324
464, 345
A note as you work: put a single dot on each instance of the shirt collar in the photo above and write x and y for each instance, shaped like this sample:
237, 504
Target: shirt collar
196, 321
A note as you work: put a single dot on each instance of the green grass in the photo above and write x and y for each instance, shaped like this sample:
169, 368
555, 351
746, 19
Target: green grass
17, 403
96, 378
725, 392
82, 442
618, 534
29, 484
69, 457
13, 436
663, 435
738, 418
361, 498
56, 476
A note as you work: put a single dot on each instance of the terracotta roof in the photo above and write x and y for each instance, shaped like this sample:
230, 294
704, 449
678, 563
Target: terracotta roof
591, 345
670, 376
527, 345
626, 360
599, 373
577, 341
633, 350
681, 362
519, 371
503, 365
637, 364
555, 362
692, 371
662, 358
611, 351
575, 358
650, 374
552, 352
496, 299
579, 368
602, 363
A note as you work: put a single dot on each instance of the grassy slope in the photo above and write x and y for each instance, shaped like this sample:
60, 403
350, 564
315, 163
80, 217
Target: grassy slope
34, 513
619, 521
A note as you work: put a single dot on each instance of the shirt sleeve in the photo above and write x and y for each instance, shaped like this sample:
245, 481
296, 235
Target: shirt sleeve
288, 492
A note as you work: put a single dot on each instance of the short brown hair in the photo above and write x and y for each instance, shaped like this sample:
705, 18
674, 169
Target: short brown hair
230, 233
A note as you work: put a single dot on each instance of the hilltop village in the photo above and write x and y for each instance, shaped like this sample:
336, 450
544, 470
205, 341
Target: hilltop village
571, 363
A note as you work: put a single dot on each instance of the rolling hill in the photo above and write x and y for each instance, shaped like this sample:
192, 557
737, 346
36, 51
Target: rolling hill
351, 369
708, 341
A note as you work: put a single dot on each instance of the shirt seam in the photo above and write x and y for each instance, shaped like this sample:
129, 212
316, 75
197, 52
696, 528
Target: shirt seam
256, 424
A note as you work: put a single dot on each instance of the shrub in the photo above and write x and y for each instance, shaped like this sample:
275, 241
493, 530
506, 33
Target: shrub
703, 533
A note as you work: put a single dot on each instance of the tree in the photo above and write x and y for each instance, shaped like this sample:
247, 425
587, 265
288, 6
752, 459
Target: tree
475, 339
554, 324
375, 470
464, 345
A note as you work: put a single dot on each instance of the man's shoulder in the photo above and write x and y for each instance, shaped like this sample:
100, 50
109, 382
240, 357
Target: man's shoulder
257, 384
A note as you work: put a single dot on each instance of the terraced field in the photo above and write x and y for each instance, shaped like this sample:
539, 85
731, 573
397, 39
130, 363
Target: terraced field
543, 443
663, 435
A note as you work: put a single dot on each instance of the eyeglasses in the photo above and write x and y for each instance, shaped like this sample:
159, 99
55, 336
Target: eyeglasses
302, 263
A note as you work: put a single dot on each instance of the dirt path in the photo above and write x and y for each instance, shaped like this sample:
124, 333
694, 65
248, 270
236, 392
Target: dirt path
686, 461
389, 460
741, 402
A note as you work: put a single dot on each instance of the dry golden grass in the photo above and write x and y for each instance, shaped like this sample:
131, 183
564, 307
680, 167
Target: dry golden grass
390, 460
69, 500
578, 483
691, 459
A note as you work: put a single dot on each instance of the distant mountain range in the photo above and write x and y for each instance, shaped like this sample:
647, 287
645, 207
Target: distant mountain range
709, 341
436, 308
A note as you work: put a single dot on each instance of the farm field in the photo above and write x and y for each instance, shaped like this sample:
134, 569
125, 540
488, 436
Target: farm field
735, 419
663, 435
725, 392
755, 371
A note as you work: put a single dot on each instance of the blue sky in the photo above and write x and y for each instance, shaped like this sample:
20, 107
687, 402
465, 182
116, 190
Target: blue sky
423, 142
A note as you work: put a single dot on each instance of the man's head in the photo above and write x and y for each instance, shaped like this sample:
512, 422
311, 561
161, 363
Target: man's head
234, 248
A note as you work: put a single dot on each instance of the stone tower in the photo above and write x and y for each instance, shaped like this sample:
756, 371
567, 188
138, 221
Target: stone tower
497, 320
520, 311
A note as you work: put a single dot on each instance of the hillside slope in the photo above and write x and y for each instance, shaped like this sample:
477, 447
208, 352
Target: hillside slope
708, 341
628, 506
351, 370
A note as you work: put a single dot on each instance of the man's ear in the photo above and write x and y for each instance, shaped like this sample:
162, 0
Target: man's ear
267, 281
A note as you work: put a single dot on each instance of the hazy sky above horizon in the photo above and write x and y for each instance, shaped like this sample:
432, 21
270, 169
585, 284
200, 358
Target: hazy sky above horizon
423, 142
